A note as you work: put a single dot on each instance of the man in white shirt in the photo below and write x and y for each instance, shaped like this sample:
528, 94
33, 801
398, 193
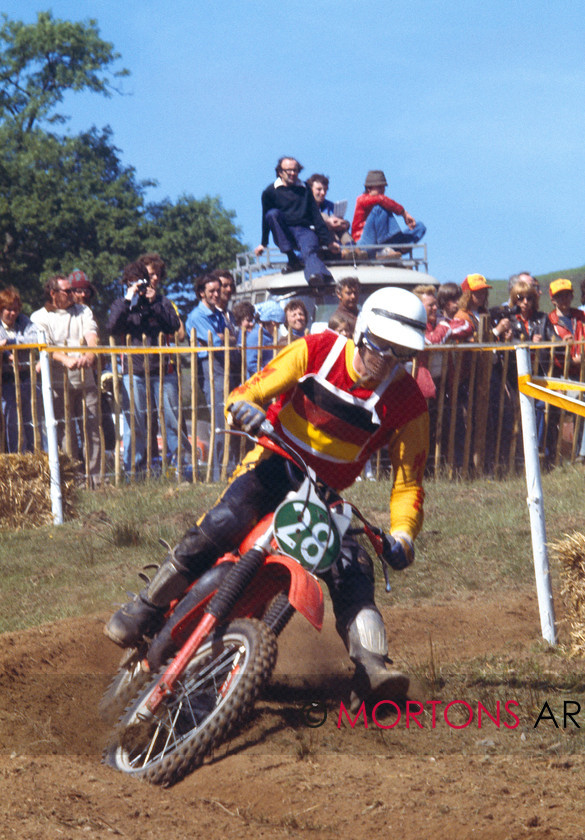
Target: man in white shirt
66, 323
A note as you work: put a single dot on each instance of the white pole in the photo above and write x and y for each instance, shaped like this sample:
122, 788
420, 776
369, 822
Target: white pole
51, 427
536, 505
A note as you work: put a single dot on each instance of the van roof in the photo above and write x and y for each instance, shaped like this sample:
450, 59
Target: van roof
256, 277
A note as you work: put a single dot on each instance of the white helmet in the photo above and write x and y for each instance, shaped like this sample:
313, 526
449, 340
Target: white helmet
395, 315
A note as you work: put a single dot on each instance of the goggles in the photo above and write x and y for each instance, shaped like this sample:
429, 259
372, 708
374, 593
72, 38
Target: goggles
387, 349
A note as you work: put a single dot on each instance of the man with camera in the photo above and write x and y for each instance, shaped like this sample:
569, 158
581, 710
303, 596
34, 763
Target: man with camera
142, 315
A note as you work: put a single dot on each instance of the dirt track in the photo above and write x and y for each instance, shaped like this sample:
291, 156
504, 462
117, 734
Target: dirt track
281, 778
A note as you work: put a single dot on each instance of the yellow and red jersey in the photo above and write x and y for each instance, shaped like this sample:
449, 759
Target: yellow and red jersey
336, 424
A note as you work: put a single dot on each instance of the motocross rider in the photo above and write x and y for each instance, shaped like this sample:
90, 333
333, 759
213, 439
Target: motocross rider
336, 402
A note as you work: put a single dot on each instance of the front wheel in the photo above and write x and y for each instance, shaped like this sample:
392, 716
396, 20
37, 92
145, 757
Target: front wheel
217, 689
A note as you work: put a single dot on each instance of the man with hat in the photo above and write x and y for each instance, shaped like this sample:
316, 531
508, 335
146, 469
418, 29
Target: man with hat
373, 218
83, 291
565, 322
473, 303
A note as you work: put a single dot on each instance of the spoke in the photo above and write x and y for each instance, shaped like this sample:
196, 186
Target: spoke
194, 700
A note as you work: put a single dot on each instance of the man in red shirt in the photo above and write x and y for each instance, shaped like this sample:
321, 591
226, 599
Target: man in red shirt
373, 218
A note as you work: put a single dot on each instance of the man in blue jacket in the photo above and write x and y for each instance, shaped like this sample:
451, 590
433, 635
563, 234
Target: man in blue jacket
290, 212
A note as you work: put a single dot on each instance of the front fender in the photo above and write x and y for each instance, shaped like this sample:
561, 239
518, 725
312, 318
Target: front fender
305, 593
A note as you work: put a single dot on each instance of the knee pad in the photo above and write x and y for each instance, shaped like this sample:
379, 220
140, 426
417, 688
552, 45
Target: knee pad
218, 532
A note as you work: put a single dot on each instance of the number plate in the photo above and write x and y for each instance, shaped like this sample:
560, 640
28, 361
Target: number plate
304, 531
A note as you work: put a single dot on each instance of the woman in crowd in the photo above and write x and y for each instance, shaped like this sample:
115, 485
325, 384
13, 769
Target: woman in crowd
16, 328
296, 320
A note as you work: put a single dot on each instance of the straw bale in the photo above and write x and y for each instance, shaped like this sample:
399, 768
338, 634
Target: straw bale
570, 552
25, 499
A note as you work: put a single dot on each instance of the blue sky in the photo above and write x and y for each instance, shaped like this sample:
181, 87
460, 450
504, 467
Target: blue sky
474, 110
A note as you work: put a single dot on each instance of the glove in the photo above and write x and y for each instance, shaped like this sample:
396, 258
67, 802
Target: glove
247, 416
398, 552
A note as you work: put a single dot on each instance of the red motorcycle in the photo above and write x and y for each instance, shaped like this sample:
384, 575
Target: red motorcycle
179, 696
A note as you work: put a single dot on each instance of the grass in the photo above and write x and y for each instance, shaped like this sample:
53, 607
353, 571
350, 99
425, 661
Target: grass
476, 537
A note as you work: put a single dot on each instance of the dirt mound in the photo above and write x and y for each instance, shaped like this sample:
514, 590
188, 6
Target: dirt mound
280, 777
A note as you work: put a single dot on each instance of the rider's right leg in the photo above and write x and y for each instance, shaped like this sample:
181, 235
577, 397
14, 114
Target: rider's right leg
255, 490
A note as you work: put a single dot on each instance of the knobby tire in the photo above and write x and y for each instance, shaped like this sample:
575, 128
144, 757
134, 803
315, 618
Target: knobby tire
217, 690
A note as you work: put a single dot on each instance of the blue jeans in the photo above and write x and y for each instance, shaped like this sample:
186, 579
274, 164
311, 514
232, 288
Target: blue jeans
11, 416
381, 228
216, 417
170, 412
292, 238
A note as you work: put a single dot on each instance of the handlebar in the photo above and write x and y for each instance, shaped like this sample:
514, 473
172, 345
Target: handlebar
380, 542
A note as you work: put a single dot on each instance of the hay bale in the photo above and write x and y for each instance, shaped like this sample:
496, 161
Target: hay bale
25, 496
570, 552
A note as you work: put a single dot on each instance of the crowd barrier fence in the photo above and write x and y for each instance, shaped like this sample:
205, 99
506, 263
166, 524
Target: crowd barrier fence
475, 410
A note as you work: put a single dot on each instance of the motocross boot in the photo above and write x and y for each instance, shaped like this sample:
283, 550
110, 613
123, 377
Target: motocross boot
144, 614
367, 646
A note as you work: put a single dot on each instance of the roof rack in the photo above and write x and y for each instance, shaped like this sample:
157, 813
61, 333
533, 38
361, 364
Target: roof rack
249, 266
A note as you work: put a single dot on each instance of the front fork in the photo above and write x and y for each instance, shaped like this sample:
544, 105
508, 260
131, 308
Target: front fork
220, 606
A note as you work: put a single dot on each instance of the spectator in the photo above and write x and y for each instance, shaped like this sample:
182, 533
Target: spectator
337, 225
270, 317
83, 291
566, 324
142, 314
429, 366
448, 296
374, 220
244, 317
340, 325
347, 290
505, 310
227, 288
296, 319
66, 323
289, 211
473, 303
157, 274
16, 328
207, 318
528, 324
582, 307
83, 294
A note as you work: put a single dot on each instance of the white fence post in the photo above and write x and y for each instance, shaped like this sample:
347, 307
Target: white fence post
51, 429
536, 505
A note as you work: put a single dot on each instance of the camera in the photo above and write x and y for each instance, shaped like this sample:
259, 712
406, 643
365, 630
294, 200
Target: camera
142, 285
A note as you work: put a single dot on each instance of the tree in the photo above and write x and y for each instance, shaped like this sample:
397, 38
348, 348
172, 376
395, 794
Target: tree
40, 62
66, 202
194, 236
69, 201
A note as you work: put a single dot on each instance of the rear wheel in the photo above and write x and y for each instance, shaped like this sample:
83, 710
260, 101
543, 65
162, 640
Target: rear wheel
217, 689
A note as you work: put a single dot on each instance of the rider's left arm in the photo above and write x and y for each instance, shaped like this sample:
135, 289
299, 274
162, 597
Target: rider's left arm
408, 448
